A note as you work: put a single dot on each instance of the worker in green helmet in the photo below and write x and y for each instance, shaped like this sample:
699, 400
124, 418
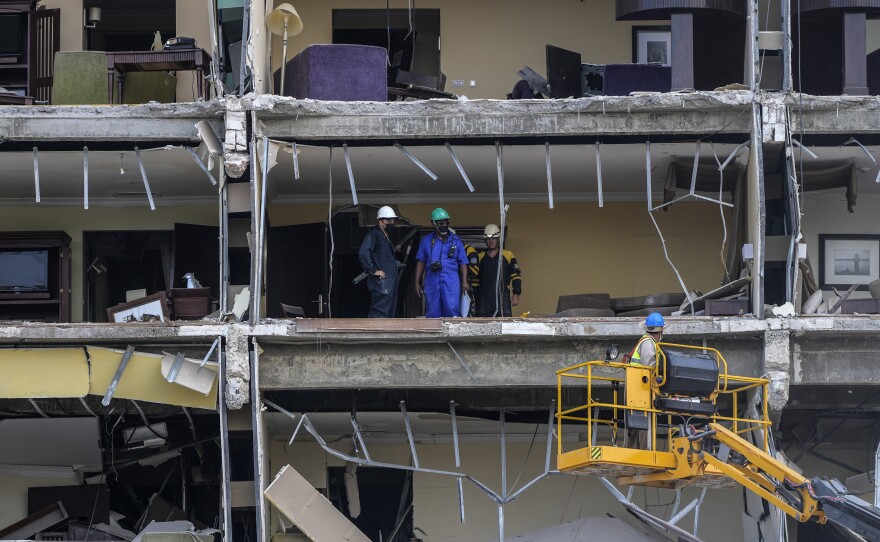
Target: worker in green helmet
441, 268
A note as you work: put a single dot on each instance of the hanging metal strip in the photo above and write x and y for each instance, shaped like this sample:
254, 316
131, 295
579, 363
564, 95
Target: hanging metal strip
85, 177
202, 165
549, 173
599, 174
295, 163
409, 434
37, 175
354, 196
416, 161
464, 176
137, 153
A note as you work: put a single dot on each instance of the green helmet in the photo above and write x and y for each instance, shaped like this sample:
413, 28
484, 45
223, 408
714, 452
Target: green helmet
439, 214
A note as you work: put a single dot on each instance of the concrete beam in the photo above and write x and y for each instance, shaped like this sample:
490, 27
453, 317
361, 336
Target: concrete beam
846, 115
238, 373
524, 363
33, 333
838, 360
110, 123
657, 114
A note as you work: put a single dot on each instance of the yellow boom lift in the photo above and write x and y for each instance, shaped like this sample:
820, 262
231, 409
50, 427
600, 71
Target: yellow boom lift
698, 430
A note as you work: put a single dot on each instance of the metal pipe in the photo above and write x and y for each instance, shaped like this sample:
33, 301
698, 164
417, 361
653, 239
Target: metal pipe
224, 242
503, 456
648, 171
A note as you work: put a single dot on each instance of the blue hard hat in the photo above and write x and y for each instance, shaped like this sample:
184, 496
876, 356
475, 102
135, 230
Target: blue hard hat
654, 320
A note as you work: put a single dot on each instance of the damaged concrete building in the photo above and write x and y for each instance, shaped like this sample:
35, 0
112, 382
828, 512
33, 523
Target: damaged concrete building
187, 184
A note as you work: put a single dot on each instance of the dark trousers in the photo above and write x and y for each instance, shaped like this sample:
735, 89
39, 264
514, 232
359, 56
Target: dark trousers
383, 296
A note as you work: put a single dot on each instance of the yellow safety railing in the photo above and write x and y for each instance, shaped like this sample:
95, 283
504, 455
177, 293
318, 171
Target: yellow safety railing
610, 375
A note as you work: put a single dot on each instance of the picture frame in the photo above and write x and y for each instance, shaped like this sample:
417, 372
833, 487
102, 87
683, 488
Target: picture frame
652, 45
134, 311
847, 259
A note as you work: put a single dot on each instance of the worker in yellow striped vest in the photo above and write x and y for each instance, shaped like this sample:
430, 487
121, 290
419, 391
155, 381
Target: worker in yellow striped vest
645, 353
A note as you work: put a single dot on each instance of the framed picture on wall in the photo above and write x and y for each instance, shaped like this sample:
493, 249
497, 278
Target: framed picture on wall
652, 45
848, 259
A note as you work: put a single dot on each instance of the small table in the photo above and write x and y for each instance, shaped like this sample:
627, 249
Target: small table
197, 60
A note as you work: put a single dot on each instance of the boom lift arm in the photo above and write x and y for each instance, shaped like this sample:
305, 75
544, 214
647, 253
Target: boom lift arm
803, 499
691, 401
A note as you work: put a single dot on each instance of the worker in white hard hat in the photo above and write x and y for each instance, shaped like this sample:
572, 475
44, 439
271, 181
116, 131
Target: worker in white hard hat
497, 294
380, 264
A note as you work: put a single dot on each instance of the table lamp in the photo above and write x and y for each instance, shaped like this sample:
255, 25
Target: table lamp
284, 21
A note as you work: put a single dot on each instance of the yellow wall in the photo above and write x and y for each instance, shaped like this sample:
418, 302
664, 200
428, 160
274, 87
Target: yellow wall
490, 40
580, 248
74, 221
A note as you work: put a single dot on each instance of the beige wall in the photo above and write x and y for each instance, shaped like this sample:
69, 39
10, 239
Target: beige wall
192, 21
74, 221
825, 212
554, 500
580, 248
71, 22
490, 40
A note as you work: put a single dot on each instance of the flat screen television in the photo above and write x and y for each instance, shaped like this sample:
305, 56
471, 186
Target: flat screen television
10, 34
24, 271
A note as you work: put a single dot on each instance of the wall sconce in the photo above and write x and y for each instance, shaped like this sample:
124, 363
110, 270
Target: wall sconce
91, 17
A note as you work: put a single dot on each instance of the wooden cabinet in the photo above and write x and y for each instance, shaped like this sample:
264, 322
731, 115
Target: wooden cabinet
28, 42
35, 276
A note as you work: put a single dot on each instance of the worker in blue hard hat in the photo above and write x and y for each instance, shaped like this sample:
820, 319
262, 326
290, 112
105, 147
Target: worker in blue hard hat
441, 268
645, 353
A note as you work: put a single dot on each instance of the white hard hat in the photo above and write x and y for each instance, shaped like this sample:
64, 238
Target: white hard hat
491, 231
386, 212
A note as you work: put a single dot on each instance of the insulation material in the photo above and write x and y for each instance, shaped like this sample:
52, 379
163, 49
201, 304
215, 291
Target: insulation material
299, 502
43, 372
191, 375
143, 380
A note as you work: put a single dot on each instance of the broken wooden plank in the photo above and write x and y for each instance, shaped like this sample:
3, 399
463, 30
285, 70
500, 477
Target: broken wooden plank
313, 514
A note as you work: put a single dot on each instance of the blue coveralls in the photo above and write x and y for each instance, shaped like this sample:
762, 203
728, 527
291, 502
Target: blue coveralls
377, 253
443, 287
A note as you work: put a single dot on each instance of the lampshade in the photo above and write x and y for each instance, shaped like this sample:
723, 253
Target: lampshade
284, 13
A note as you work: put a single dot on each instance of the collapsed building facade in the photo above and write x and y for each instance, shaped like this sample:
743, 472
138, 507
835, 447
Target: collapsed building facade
735, 177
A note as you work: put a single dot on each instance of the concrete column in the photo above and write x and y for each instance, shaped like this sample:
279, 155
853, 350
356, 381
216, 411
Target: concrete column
238, 375
855, 65
683, 51
777, 367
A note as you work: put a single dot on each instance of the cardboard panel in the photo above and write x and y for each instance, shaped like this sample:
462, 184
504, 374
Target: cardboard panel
143, 380
295, 497
35, 373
